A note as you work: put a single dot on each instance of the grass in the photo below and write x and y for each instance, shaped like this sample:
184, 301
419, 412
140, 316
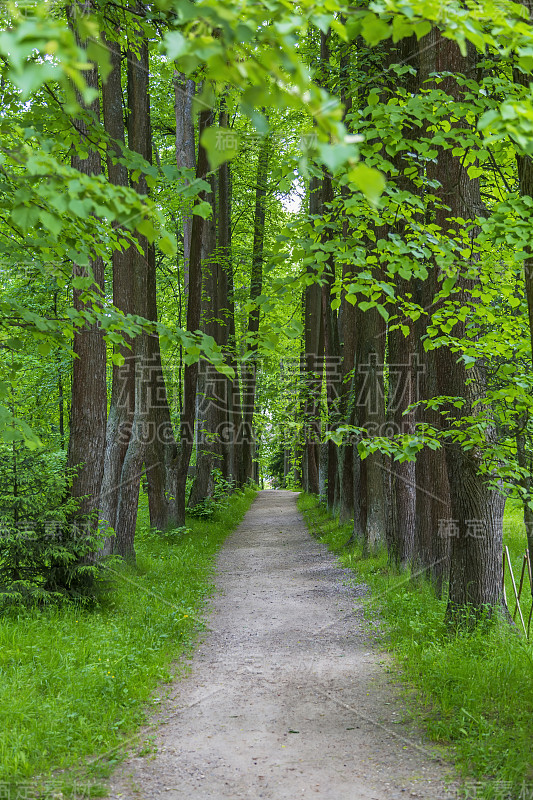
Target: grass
473, 692
514, 536
75, 682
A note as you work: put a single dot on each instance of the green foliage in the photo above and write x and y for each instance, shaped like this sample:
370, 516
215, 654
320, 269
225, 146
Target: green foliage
41, 565
219, 498
45, 557
89, 673
473, 691
276, 465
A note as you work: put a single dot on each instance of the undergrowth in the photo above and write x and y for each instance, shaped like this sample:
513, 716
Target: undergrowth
74, 682
471, 691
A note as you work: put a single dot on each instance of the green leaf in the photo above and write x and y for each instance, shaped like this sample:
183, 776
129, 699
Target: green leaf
44, 348
221, 145
369, 181
167, 244
99, 53
174, 45
335, 156
322, 21
53, 223
203, 209
374, 30
25, 216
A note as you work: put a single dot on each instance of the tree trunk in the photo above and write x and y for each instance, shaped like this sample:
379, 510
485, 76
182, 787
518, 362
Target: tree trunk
122, 403
370, 414
162, 451
525, 184
89, 398
139, 140
184, 89
312, 360
209, 402
431, 551
193, 324
402, 392
249, 369
347, 334
477, 510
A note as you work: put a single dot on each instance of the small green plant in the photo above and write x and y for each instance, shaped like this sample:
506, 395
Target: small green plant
222, 491
204, 510
171, 535
46, 548
48, 561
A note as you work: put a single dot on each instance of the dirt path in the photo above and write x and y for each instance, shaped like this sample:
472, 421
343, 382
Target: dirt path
288, 696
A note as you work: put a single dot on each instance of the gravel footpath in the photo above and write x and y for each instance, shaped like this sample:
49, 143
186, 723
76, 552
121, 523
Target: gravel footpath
288, 695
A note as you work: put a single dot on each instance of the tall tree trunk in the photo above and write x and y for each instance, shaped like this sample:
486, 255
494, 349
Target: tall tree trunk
331, 348
312, 360
184, 89
370, 414
525, 183
402, 392
431, 554
89, 398
209, 402
249, 369
139, 140
476, 546
402, 363
347, 334
229, 447
194, 308
162, 451
122, 403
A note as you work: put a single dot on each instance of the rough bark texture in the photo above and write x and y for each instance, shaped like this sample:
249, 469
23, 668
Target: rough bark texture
208, 406
162, 450
89, 399
184, 89
312, 362
402, 361
122, 403
230, 421
250, 367
347, 341
402, 392
193, 324
139, 140
477, 511
370, 414
431, 551
525, 182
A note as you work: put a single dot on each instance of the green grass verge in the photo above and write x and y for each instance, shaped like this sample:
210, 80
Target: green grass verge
74, 683
471, 691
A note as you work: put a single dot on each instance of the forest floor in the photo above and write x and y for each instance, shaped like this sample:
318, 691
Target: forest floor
290, 693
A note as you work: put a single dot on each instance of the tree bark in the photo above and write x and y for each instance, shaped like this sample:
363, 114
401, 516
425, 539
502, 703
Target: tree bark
194, 308
227, 422
525, 184
139, 140
477, 510
249, 369
209, 403
122, 403
89, 398
312, 360
184, 89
